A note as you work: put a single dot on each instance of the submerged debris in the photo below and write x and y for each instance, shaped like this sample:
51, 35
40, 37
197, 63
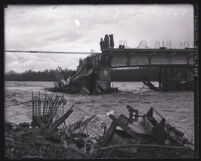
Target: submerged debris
84, 80
173, 85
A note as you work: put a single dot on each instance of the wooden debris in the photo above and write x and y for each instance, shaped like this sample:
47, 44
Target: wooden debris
51, 138
109, 133
121, 122
158, 132
60, 120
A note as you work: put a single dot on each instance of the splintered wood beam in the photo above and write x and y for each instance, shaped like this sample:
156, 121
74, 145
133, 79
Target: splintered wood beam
123, 125
109, 133
112, 128
62, 119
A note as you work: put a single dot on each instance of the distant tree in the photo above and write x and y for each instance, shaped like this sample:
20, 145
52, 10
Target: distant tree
116, 75
29, 75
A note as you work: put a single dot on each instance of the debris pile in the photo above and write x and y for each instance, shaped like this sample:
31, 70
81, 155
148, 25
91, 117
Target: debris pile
27, 143
79, 82
151, 137
60, 80
84, 80
49, 137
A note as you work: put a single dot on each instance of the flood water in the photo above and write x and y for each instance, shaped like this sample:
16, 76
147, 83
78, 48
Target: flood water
176, 107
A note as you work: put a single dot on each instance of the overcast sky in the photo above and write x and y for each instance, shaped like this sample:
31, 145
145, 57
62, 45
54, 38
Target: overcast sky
80, 27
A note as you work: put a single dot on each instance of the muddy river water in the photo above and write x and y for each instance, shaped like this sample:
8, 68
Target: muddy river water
176, 107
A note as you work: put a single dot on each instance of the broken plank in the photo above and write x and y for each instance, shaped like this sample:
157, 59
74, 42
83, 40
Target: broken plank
120, 123
62, 119
109, 133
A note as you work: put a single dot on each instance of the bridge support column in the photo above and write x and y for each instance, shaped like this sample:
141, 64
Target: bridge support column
160, 77
164, 75
103, 82
170, 78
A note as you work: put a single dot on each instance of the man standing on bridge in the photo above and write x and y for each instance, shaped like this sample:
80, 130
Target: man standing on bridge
102, 44
106, 40
111, 41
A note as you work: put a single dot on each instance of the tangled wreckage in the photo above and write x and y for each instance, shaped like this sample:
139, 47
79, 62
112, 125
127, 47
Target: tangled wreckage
133, 136
93, 74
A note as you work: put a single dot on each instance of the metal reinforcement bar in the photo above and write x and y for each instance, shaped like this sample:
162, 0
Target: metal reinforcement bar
142, 145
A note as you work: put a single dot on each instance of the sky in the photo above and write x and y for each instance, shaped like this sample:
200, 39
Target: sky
78, 28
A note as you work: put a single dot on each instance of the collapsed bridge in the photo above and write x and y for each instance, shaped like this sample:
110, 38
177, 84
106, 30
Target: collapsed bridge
93, 74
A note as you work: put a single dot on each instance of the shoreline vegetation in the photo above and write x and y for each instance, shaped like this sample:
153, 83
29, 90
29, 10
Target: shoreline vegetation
117, 75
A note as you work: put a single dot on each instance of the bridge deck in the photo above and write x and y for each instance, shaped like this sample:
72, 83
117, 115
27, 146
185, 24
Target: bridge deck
149, 57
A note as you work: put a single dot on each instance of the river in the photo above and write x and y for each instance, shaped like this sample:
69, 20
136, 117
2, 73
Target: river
176, 107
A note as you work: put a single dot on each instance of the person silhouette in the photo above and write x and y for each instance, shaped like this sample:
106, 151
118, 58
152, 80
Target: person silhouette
111, 41
106, 39
101, 44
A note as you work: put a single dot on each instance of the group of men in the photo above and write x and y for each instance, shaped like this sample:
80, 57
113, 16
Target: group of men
107, 43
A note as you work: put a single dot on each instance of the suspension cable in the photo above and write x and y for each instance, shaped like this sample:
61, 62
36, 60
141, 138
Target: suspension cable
49, 52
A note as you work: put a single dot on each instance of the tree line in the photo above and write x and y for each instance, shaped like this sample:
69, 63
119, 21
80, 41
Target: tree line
46, 75
116, 75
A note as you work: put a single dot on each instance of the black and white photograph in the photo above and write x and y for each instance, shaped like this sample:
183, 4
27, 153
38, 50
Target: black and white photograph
99, 81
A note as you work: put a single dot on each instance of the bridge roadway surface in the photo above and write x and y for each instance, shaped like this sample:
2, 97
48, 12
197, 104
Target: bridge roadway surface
149, 57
